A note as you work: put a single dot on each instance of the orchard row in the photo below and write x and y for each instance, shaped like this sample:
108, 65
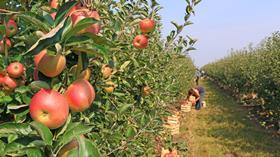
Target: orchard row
252, 74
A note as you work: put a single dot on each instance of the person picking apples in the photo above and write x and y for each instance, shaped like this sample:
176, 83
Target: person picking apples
201, 92
196, 95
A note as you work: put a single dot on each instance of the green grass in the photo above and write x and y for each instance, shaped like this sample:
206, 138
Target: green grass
223, 130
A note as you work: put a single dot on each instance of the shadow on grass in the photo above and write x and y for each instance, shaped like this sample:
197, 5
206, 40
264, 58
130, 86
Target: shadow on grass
228, 123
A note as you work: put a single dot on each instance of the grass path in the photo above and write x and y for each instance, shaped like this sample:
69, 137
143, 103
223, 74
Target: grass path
223, 130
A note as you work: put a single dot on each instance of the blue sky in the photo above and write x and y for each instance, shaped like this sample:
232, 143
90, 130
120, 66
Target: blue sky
220, 25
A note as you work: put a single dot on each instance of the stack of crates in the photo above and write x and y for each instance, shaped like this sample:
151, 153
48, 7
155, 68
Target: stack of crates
186, 106
173, 124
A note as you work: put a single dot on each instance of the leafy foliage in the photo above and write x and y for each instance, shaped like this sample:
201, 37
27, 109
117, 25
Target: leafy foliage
121, 123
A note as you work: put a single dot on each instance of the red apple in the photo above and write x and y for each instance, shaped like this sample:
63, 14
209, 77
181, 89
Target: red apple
85, 74
147, 25
11, 28
93, 14
39, 56
2, 78
94, 28
78, 15
170, 155
53, 15
54, 3
52, 65
49, 108
146, 91
15, 69
8, 44
106, 71
9, 82
74, 9
80, 95
109, 87
140, 41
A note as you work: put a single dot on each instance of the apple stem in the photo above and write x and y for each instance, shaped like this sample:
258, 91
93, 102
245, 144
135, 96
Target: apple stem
7, 12
6, 50
79, 65
58, 48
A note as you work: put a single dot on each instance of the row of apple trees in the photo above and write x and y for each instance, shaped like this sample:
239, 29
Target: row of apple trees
88, 78
253, 75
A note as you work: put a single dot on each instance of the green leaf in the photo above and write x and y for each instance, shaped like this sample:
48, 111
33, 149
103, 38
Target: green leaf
34, 152
65, 126
49, 19
197, 2
190, 49
48, 39
189, 9
16, 106
2, 30
100, 40
154, 3
4, 98
43, 131
36, 21
75, 40
20, 145
63, 10
124, 65
22, 89
73, 132
123, 108
82, 64
21, 116
188, 23
37, 85
175, 24
15, 128
130, 132
85, 60
73, 152
143, 120
84, 23
2, 147
90, 52
25, 98
87, 148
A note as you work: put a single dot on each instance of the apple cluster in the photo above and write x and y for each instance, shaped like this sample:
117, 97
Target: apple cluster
47, 102
146, 26
78, 13
11, 29
12, 77
79, 95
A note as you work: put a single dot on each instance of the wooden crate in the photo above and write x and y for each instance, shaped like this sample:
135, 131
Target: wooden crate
186, 108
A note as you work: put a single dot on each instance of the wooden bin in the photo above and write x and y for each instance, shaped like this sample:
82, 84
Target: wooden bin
187, 107
173, 124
